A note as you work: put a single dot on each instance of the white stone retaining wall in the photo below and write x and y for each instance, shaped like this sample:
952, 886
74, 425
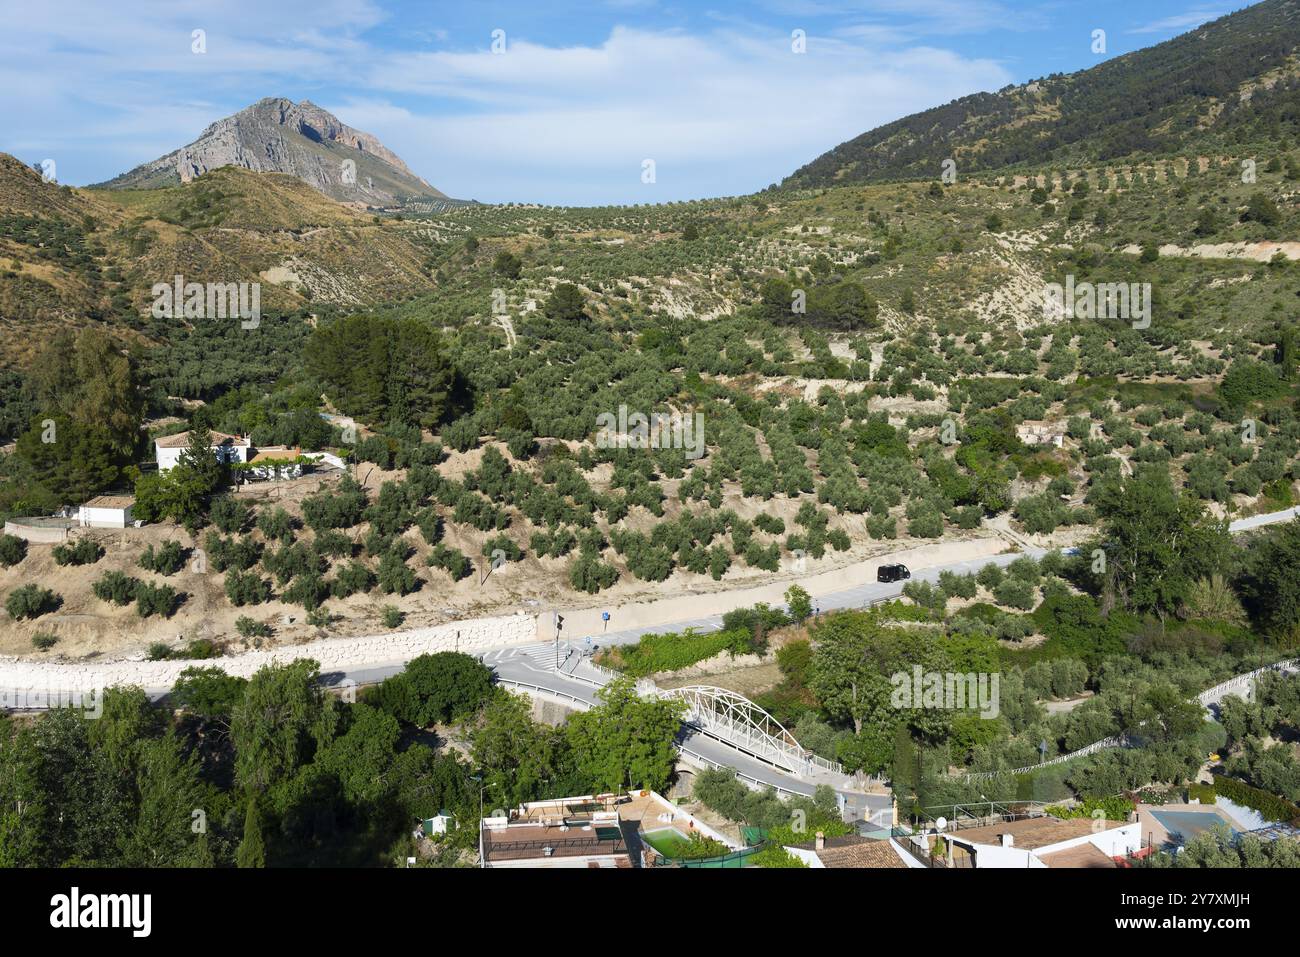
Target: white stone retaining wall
334, 654
36, 534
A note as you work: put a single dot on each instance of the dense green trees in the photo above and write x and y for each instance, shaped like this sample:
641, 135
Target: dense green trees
117, 791
88, 430
566, 303
1271, 583
276, 771
625, 741
71, 458
842, 304
436, 688
283, 719
1155, 544
383, 370
516, 756
1220, 848
30, 601
12, 550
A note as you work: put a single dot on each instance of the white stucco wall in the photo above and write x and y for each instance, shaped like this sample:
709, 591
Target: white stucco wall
167, 457
104, 517
334, 654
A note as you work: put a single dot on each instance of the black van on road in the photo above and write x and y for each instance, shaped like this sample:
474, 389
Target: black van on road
892, 573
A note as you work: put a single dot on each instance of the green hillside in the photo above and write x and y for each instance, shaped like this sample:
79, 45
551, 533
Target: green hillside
1220, 87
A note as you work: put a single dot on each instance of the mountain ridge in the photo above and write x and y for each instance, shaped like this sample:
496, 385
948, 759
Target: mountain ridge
277, 135
1231, 77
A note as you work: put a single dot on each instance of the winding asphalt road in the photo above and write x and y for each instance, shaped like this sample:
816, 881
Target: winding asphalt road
555, 667
533, 666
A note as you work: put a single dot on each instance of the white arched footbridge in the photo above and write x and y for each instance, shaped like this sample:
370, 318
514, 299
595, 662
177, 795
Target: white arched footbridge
739, 722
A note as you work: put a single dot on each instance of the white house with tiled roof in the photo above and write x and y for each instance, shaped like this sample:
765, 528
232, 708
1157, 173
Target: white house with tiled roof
228, 448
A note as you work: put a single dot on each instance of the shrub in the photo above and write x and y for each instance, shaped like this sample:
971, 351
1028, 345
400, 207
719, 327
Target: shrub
44, 641
352, 578
450, 560
1272, 807
754, 623
505, 545
462, 435
229, 514
319, 617
341, 508
246, 588
155, 600
671, 651
958, 586
1025, 569
31, 601
291, 561
332, 543
430, 523
392, 616
1113, 808
990, 576
589, 574
308, 590
84, 552
12, 550
165, 560
249, 628
276, 525
115, 587
395, 576
227, 553
926, 524
799, 603
926, 595
1015, 593
200, 649
882, 526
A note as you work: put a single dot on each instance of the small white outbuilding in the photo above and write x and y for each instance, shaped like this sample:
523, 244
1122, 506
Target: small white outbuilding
106, 511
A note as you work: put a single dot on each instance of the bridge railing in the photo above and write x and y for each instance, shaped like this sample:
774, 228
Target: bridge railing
747, 779
739, 722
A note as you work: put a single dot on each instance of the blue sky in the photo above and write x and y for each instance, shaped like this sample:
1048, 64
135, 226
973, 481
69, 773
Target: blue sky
583, 93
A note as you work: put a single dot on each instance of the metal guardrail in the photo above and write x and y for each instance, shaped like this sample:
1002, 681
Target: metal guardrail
1116, 741
740, 775
527, 686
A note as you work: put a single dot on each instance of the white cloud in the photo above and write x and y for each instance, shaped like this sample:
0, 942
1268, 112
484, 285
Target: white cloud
588, 116
729, 110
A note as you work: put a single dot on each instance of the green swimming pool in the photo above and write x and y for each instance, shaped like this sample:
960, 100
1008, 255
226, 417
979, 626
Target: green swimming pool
668, 841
